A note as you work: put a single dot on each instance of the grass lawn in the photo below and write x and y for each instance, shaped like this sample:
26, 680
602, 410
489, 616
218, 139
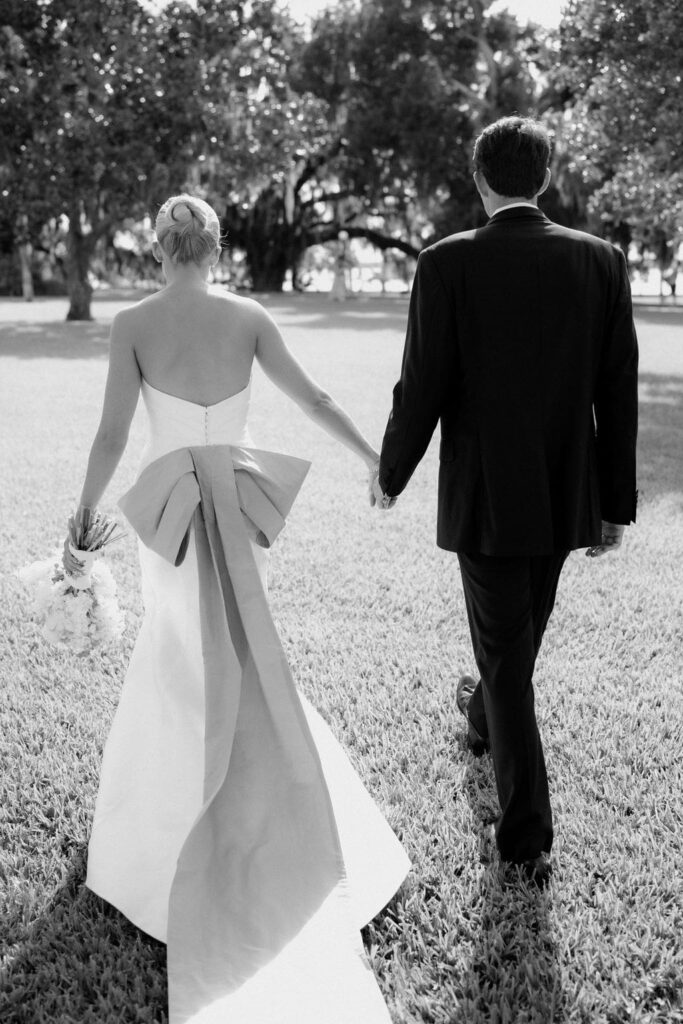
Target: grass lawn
372, 617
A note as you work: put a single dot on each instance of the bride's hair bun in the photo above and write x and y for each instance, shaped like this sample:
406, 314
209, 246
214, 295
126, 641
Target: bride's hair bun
187, 229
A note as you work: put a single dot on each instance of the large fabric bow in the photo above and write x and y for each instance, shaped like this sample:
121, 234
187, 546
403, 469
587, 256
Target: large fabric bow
264, 852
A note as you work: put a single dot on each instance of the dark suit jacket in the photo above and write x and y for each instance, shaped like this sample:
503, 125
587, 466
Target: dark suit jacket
521, 341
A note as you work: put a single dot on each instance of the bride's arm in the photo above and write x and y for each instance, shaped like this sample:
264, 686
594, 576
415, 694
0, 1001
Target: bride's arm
286, 373
120, 399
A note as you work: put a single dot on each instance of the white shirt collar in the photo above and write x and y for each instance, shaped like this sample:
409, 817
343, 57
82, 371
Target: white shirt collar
511, 206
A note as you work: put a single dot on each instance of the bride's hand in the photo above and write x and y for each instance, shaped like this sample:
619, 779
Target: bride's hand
373, 475
71, 564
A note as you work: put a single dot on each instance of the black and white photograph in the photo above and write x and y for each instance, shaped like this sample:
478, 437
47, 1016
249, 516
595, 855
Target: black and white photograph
341, 518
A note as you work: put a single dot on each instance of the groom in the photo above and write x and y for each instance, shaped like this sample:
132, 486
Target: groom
521, 342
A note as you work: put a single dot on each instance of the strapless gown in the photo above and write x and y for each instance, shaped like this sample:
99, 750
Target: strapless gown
152, 784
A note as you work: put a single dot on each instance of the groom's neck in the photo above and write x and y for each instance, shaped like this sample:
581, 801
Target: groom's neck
496, 202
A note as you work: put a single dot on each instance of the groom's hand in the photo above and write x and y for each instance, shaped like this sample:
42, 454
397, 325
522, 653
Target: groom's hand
612, 535
375, 492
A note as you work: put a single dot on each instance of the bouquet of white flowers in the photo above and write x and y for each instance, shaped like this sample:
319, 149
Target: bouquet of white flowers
78, 611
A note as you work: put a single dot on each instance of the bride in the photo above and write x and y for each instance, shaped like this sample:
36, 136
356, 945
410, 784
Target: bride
229, 822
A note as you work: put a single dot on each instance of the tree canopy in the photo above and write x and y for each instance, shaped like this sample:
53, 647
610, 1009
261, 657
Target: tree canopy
623, 73
100, 112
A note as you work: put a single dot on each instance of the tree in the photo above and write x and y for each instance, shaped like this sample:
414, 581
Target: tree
622, 76
267, 140
107, 99
408, 87
25, 207
365, 127
407, 77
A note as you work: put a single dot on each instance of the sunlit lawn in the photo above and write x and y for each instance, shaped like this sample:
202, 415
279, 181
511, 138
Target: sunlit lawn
373, 620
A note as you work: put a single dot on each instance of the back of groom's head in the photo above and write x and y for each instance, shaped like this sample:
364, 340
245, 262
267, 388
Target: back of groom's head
513, 155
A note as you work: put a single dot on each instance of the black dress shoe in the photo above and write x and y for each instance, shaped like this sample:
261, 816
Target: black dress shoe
536, 871
477, 743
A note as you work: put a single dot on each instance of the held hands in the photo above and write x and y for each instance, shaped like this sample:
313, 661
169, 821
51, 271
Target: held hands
612, 535
375, 493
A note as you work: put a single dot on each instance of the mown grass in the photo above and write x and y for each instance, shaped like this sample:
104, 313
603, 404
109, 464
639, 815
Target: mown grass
372, 617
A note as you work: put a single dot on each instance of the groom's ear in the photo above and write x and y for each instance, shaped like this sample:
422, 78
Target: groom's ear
481, 183
546, 181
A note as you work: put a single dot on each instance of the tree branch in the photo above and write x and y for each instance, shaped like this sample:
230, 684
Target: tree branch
327, 197
376, 238
381, 241
313, 165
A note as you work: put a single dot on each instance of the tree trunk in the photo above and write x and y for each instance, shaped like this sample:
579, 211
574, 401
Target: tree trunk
25, 250
25, 253
267, 246
80, 245
266, 275
268, 240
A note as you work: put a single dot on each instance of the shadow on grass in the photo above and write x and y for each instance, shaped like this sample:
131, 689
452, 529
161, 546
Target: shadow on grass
55, 341
500, 961
663, 315
514, 968
80, 960
660, 437
359, 313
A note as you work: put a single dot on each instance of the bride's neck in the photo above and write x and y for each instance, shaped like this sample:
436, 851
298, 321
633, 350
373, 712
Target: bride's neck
187, 277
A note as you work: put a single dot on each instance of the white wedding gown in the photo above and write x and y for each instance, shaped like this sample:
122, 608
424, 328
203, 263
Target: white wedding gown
151, 785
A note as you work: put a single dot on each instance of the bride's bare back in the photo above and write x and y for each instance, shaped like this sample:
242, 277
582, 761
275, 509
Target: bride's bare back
198, 346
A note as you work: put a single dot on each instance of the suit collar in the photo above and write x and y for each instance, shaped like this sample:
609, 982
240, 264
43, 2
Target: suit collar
517, 213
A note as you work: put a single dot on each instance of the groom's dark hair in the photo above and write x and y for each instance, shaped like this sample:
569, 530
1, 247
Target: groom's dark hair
513, 155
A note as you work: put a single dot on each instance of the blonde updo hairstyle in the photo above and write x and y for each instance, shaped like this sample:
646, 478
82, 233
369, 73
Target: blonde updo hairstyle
188, 229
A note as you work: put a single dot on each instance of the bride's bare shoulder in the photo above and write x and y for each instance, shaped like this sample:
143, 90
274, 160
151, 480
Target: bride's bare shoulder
247, 310
233, 309
140, 310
